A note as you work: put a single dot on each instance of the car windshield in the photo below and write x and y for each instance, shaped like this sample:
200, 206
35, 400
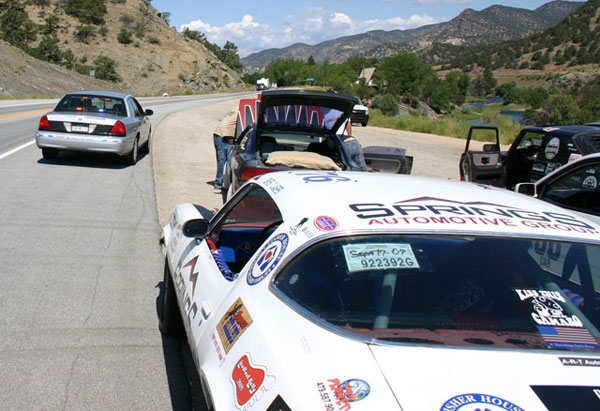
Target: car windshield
451, 290
91, 103
301, 117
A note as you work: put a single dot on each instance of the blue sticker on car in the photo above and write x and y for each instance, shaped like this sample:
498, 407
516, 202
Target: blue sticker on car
470, 401
268, 259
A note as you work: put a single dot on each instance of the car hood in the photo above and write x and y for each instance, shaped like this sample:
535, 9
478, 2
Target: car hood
300, 109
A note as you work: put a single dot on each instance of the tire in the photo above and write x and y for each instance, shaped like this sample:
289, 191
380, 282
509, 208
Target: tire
169, 321
146, 147
132, 157
49, 153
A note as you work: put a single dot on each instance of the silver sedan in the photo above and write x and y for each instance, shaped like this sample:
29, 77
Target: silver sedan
96, 121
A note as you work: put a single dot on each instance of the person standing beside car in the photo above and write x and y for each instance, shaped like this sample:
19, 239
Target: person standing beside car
222, 138
352, 146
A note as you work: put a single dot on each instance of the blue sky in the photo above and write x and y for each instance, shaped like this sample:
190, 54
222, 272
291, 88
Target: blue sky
261, 24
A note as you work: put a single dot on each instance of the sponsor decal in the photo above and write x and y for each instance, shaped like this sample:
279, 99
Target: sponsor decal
308, 233
552, 148
273, 185
590, 182
189, 307
268, 259
323, 177
294, 229
474, 402
441, 212
193, 273
233, 324
580, 361
218, 348
547, 308
338, 395
250, 382
550, 129
557, 328
325, 223
568, 337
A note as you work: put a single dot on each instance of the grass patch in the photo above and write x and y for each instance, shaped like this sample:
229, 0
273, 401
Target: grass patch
450, 126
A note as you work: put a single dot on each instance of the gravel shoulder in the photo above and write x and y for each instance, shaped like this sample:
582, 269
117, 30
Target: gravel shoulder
184, 159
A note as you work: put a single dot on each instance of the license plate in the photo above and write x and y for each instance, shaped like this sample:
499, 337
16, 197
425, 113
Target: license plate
79, 128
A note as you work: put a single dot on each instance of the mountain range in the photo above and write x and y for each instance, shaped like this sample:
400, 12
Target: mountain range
491, 25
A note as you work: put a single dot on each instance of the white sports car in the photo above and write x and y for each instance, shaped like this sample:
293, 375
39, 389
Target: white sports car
314, 290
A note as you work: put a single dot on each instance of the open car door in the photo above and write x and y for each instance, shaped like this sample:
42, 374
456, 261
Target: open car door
483, 166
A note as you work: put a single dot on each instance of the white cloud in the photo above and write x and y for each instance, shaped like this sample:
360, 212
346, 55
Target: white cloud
312, 25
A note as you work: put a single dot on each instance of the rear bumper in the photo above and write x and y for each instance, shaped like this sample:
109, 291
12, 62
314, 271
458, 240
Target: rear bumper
84, 142
359, 117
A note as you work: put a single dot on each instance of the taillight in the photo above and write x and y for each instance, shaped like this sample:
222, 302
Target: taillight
118, 129
44, 123
250, 172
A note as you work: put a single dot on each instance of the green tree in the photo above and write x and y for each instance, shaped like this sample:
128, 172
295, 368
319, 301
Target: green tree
405, 75
387, 104
86, 11
558, 109
229, 56
106, 69
48, 49
15, 26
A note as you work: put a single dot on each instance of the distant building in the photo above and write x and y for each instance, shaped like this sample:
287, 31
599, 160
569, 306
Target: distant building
367, 75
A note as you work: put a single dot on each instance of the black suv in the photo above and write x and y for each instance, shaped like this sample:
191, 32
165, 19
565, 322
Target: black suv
535, 152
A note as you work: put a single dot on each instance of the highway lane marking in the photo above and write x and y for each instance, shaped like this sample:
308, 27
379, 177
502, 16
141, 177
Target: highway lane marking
27, 113
14, 150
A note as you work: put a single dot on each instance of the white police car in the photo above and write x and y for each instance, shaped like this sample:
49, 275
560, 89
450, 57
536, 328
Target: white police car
317, 290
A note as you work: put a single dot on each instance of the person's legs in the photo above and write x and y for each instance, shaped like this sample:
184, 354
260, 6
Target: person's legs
221, 158
221, 151
354, 150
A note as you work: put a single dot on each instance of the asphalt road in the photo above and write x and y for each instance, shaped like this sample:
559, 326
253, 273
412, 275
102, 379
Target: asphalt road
80, 276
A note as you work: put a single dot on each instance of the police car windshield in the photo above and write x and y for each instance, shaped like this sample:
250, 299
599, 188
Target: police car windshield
451, 290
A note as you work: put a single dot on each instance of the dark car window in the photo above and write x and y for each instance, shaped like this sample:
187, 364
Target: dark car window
465, 291
135, 109
530, 139
578, 190
243, 228
91, 103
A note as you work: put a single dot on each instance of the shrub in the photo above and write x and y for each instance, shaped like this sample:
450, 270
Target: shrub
387, 104
106, 69
153, 40
125, 36
83, 34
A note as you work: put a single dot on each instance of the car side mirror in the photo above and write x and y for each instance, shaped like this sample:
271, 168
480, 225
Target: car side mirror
528, 189
195, 228
490, 147
148, 112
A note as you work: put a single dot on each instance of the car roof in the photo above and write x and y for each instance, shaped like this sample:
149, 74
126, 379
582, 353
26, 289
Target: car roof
360, 201
563, 130
112, 94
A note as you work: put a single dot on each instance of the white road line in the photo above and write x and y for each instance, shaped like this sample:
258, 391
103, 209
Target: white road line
14, 150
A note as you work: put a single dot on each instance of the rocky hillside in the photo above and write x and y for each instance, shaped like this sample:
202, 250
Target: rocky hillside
154, 59
491, 25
